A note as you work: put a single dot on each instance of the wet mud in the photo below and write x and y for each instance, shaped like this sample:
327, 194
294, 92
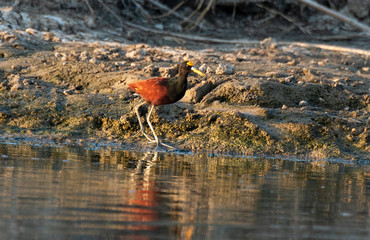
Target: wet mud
256, 99
262, 97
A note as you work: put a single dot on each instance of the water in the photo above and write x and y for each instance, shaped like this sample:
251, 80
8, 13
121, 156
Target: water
76, 193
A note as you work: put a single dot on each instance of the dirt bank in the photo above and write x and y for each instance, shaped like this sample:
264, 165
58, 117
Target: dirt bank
266, 98
262, 97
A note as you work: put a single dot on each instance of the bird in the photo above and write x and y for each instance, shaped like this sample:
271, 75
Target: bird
161, 91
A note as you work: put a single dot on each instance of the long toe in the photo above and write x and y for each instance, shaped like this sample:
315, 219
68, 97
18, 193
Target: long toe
152, 141
166, 145
147, 137
161, 144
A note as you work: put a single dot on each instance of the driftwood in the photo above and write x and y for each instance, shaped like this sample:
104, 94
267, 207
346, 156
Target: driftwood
331, 48
337, 15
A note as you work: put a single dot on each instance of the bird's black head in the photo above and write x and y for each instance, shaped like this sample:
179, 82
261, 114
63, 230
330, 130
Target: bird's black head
188, 67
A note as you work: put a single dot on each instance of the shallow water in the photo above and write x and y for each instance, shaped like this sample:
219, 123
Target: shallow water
76, 193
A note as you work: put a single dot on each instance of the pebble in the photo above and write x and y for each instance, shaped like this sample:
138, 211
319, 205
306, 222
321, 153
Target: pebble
16, 67
210, 70
151, 69
84, 56
203, 67
303, 103
31, 31
64, 57
159, 26
136, 54
268, 43
292, 63
16, 87
94, 60
4, 85
323, 63
28, 82
225, 69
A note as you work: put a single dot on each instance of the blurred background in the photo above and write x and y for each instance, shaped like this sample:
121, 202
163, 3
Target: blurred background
146, 20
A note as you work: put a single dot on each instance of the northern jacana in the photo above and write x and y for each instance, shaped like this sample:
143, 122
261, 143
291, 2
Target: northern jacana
162, 91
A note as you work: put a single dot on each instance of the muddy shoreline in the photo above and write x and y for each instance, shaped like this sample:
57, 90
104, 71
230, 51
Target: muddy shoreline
267, 98
64, 70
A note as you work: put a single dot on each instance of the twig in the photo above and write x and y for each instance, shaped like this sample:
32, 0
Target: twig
341, 37
169, 11
142, 10
336, 15
194, 12
331, 48
201, 16
90, 8
289, 19
124, 3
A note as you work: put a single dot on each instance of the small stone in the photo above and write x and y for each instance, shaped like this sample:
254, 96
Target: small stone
136, 54
284, 107
210, 70
133, 65
292, 63
64, 57
16, 87
203, 67
268, 43
151, 69
28, 82
48, 36
159, 26
336, 80
84, 56
323, 62
94, 60
303, 103
16, 67
31, 31
225, 69
68, 92
4, 85
15, 79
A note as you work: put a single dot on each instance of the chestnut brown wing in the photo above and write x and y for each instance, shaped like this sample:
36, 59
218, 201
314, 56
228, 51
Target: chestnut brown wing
154, 91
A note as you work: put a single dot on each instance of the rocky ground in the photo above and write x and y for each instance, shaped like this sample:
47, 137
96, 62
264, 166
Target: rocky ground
265, 97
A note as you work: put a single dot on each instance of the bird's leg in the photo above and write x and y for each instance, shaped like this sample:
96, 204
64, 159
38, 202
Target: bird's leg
151, 127
156, 140
141, 124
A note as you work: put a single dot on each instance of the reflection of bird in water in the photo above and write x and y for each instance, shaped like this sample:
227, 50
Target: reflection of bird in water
143, 200
162, 91
146, 206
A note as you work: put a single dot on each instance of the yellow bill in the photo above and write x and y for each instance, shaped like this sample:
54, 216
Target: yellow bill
197, 71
